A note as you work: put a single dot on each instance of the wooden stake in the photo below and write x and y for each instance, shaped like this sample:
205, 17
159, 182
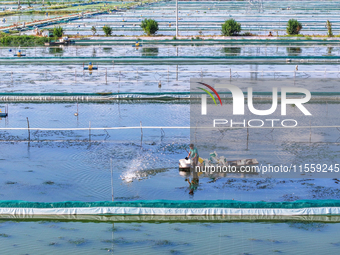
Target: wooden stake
28, 128
89, 130
111, 179
141, 134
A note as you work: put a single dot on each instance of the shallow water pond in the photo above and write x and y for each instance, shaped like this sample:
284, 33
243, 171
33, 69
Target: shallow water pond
221, 237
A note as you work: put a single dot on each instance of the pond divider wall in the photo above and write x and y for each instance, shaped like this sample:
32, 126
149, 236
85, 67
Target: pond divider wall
172, 207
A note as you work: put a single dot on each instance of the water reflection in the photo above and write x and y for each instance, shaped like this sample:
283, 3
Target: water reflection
231, 51
56, 51
294, 51
146, 52
329, 50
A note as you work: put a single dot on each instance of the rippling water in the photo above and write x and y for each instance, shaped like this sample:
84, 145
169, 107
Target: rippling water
73, 165
209, 237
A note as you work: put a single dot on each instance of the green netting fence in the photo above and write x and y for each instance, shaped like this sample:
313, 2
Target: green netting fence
174, 204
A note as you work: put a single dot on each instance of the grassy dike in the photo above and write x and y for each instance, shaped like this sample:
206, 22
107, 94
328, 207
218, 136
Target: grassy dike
22, 40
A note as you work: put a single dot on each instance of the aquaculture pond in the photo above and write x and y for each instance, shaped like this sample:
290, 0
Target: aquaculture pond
195, 18
193, 48
72, 78
66, 140
188, 236
19, 18
70, 164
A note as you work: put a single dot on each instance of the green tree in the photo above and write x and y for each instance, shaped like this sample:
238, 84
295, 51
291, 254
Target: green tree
329, 28
58, 31
150, 26
231, 27
107, 30
293, 27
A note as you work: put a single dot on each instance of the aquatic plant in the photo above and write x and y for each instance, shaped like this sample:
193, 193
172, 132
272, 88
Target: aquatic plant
58, 31
48, 183
107, 30
329, 28
231, 27
164, 243
78, 241
293, 27
149, 26
10, 182
248, 34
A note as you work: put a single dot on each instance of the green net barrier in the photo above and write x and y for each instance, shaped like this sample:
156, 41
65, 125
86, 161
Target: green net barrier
210, 41
179, 58
175, 204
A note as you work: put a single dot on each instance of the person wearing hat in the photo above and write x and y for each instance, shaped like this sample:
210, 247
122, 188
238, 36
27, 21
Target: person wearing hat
19, 53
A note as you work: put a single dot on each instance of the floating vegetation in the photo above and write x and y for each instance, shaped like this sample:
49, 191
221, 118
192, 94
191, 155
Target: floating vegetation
115, 229
321, 192
225, 236
250, 184
10, 182
290, 197
175, 252
119, 240
4, 235
267, 240
78, 242
155, 243
48, 182
164, 243
127, 198
308, 226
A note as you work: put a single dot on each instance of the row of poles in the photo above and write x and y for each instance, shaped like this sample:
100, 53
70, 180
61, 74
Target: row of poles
201, 72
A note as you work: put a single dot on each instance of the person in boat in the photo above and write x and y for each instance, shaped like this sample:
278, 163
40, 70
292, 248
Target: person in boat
137, 44
19, 53
270, 34
193, 153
